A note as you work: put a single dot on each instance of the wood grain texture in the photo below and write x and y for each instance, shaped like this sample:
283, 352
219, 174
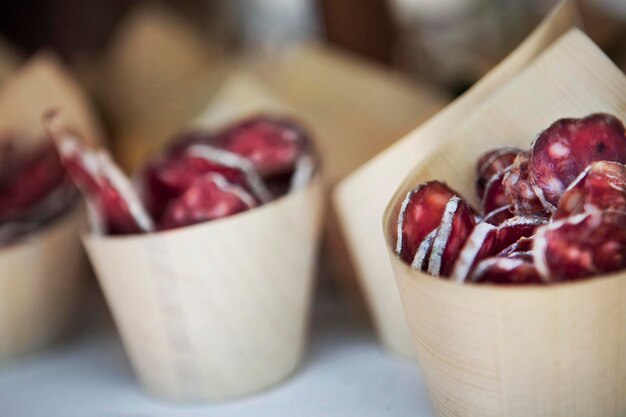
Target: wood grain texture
529, 350
41, 276
40, 84
218, 309
361, 198
40, 283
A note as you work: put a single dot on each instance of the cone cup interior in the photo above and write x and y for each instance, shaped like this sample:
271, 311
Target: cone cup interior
39, 286
218, 309
363, 195
520, 350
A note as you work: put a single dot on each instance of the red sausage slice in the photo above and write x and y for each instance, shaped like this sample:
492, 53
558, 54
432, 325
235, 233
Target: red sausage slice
505, 271
210, 197
586, 244
456, 225
419, 215
492, 163
108, 191
562, 151
601, 186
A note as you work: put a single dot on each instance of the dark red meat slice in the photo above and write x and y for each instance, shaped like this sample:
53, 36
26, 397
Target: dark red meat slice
516, 228
480, 244
420, 261
505, 271
107, 190
492, 163
562, 151
210, 197
419, 215
602, 185
586, 244
272, 144
31, 181
519, 190
169, 176
494, 196
456, 225
499, 215
524, 244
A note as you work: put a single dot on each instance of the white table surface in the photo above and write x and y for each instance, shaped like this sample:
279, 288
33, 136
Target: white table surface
345, 373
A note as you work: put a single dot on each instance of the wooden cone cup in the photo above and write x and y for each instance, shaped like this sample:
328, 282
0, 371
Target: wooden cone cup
218, 309
40, 276
39, 286
522, 351
361, 197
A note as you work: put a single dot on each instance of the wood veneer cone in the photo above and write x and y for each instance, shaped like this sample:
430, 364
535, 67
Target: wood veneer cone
528, 351
218, 309
361, 198
40, 284
41, 275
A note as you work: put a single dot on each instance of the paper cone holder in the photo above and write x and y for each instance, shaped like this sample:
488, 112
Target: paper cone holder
39, 287
526, 351
41, 275
219, 309
361, 198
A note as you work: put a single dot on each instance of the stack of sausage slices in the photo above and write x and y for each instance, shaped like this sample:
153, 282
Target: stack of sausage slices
201, 176
554, 213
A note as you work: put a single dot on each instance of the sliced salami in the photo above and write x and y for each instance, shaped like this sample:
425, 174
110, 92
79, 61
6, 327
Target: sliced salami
601, 186
562, 151
516, 228
480, 244
523, 244
580, 246
505, 271
218, 157
499, 215
456, 225
420, 261
519, 190
104, 185
419, 215
31, 183
494, 197
492, 163
273, 145
210, 197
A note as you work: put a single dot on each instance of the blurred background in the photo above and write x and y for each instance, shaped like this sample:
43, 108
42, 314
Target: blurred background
451, 42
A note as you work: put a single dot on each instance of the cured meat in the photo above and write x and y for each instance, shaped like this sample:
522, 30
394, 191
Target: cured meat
519, 190
580, 246
32, 183
523, 244
480, 244
562, 151
420, 261
602, 185
456, 225
420, 214
515, 229
272, 145
492, 163
505, 271
106, 188
216, 160
494, 196
210, 197
499, 215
